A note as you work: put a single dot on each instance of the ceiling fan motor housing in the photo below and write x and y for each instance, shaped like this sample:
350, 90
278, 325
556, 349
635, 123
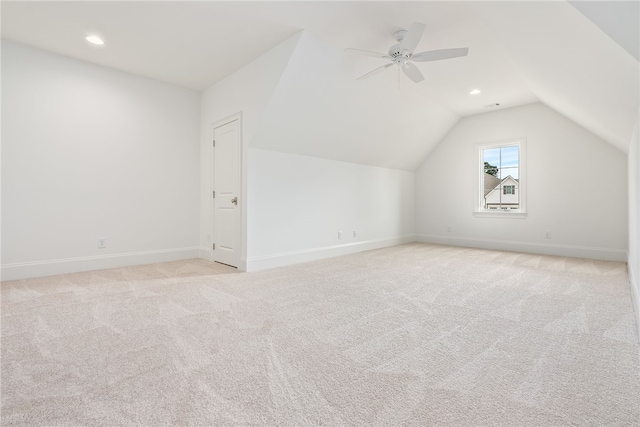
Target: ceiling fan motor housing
397, 55
394, 51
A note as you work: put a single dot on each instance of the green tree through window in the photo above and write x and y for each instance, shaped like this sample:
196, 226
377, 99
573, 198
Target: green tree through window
490, 169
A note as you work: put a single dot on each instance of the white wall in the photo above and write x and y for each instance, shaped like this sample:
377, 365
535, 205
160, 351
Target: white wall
91, 152
576, 188
297, 205
634, 218
285, 220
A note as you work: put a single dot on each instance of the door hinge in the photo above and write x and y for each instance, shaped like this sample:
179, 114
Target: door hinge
214, 246
214, 143
214, 194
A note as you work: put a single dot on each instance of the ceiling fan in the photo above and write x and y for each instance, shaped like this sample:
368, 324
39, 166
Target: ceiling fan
402, 54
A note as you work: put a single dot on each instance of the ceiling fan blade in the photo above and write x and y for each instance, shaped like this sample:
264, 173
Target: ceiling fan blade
412, 38
436, 55
376, 71
412, 72
368, 53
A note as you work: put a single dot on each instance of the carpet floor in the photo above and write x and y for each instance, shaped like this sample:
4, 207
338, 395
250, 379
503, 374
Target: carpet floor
413, 335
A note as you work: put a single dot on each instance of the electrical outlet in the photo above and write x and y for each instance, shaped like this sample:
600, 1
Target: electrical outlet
102, 242
354, 234
448, 229
547, 234
339, 234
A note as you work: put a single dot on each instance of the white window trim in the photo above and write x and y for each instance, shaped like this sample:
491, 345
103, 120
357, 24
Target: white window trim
478, 211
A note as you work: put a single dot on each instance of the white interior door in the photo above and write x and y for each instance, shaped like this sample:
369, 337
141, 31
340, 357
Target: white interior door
226, 187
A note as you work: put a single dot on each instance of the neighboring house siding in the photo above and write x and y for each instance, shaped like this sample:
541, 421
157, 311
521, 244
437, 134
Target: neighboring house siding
496, 199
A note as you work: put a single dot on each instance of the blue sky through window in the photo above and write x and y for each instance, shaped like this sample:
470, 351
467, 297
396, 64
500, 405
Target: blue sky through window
505, 158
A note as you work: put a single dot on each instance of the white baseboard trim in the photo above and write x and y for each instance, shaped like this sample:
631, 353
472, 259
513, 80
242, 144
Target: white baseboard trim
635, 297
605, 254
295, 257
24, 270
205, 253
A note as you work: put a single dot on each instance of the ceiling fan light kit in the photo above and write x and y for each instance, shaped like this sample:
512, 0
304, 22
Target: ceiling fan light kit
401, 54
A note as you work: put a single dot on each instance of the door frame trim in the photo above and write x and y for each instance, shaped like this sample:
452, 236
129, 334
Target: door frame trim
242, 266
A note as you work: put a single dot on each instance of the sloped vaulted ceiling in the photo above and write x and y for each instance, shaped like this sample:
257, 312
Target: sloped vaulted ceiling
560, 57
570, 64
319, 110
520, 52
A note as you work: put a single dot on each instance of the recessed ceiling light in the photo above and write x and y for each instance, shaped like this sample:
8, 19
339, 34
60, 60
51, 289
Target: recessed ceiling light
95, 40
475, 92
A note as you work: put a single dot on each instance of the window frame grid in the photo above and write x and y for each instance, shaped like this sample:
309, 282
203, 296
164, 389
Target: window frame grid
479, 209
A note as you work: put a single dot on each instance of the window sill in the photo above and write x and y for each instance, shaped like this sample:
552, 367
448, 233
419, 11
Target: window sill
500, 214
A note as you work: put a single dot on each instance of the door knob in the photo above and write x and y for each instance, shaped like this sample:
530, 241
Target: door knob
234, 201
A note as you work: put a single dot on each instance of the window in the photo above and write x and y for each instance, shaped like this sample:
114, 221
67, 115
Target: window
501, 179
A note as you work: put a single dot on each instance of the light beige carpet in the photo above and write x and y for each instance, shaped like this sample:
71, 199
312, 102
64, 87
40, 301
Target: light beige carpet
412, 335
